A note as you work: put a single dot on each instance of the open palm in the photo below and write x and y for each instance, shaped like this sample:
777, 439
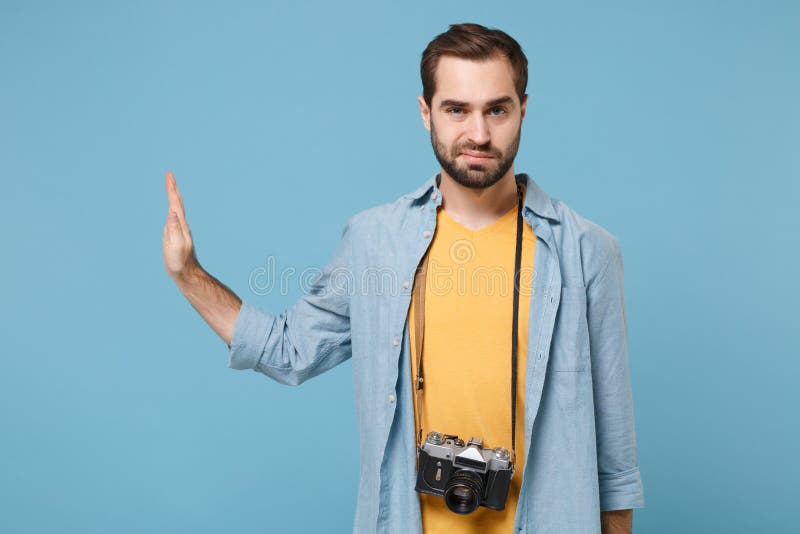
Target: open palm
179, 257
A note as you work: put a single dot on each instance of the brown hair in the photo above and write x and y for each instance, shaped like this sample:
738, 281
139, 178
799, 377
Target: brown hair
476, 42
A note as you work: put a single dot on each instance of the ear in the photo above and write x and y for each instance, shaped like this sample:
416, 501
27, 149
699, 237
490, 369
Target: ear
523, 105
425, 112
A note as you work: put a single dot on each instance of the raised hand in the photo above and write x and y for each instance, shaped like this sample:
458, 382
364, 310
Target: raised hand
179, 257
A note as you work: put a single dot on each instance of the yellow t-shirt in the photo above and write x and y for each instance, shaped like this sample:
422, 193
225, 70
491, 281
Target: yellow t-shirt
467, 353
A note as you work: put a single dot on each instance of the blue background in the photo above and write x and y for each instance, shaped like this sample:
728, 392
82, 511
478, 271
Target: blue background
674, 125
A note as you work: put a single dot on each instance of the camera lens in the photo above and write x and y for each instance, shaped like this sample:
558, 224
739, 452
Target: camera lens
463, 491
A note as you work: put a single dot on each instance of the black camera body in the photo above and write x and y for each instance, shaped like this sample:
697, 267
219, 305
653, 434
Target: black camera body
465, 475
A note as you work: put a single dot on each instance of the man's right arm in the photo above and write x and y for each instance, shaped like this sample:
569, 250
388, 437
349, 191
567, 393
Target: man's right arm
307, 339
215, 302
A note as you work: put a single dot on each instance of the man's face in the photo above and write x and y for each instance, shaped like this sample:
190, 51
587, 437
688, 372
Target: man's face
475, 119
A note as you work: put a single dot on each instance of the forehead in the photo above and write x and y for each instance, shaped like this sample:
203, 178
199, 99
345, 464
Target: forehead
471, 80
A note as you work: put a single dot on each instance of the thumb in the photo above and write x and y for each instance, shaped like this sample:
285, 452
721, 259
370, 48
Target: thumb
173, 224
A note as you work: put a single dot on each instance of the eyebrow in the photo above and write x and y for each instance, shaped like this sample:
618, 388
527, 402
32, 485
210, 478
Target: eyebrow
491, 103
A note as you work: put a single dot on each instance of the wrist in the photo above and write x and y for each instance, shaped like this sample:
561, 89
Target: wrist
189, 274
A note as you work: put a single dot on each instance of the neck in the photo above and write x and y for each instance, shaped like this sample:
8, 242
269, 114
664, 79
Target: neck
475, 208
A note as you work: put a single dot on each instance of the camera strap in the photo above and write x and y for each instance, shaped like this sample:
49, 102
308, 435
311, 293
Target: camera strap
419, 327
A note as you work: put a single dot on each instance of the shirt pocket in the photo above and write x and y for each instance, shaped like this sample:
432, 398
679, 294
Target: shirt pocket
569, 351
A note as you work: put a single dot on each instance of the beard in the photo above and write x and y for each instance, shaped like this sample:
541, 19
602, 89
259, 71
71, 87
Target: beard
475, 175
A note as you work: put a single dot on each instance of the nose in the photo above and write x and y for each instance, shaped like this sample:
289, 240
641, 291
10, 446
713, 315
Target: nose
478, 132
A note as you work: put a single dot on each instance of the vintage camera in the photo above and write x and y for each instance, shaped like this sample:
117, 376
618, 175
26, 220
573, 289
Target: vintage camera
467, 476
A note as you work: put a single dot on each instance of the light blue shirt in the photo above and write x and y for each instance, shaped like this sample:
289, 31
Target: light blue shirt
580, 444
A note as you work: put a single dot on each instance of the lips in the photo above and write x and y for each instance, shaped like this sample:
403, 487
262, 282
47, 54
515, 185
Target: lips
477, 155
477, 158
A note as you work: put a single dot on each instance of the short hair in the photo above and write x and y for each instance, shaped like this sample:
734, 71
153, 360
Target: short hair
476, 42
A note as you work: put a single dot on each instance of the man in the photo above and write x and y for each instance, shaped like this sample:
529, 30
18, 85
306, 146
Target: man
519, 302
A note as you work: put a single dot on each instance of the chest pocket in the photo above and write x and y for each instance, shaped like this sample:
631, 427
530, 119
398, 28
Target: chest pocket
570, 347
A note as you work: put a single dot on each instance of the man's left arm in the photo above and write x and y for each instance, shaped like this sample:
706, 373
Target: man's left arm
616, 522
618, 472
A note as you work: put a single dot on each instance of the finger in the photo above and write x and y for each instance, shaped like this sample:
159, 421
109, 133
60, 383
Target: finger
176, 232
174, 196
172, 192
173, 228
178, 192
176, 204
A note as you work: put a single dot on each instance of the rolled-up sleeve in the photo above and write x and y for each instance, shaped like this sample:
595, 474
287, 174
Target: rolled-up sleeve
618, 472
310, 337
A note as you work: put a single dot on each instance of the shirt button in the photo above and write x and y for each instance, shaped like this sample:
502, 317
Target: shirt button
406, 284
434, 195
392, 398
426, 234
396, 341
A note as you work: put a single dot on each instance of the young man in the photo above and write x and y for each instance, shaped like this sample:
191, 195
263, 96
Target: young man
519, 302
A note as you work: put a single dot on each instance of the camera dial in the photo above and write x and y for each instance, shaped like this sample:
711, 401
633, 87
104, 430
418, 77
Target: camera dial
501, 453
435, 438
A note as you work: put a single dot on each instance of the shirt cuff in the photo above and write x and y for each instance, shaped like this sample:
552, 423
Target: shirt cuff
621, 491
250, 332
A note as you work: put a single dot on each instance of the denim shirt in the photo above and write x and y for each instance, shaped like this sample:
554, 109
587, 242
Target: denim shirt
580, 443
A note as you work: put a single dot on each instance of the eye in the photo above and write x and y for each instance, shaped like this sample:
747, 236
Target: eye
454, 111
500, 111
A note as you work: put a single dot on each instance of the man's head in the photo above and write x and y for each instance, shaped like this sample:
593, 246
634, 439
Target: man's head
473, 102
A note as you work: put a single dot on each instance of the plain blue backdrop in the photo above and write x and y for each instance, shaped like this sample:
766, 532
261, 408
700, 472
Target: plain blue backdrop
675, 125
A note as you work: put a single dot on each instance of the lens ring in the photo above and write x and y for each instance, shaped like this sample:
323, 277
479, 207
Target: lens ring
463, 491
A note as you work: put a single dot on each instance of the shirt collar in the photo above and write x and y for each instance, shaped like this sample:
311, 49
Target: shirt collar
536, 200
